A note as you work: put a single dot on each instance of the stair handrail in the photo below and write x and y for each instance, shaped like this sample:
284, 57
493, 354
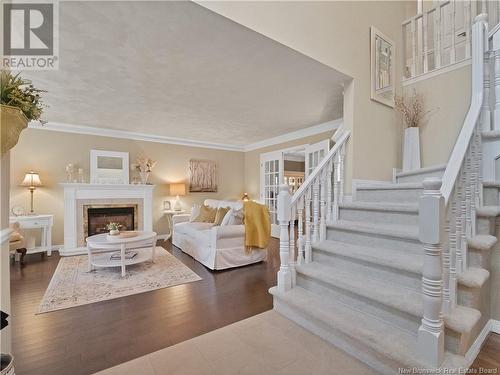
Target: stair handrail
447, 209
318, 200
322, 164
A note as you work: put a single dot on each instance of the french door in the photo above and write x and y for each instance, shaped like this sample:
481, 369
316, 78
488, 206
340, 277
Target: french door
271, 176
314, 154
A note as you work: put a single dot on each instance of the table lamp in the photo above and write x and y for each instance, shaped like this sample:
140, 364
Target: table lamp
177, 190
32, 181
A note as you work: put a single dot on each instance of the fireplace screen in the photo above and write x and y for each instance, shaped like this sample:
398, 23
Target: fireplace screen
98, 218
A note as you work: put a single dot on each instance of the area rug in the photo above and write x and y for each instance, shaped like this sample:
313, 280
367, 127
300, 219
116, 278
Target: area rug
72, 285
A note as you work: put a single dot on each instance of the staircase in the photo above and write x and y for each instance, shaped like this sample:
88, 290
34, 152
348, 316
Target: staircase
397, 276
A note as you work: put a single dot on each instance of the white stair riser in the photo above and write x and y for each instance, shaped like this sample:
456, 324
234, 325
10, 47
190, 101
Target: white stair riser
409, 323
490, 196
350, 345
388, 195
469, 297
478, 258
420, 176
375, 240
382, 217
357, 266
485, 225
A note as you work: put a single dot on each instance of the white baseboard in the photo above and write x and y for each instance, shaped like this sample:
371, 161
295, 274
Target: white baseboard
491, 326
347, 198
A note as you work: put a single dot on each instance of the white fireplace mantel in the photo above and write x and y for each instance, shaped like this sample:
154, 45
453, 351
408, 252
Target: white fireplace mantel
74, 192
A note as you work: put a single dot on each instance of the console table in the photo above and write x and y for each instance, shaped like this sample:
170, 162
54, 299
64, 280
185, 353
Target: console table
43, 222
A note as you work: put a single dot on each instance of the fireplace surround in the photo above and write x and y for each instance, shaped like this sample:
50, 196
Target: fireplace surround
79, 197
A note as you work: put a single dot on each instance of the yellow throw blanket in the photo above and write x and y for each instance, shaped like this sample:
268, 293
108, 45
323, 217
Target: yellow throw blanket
257, 226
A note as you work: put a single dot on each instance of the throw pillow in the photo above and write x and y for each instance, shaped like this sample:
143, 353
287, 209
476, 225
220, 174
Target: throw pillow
226, 218
235, 218
219, 216
195, 211
207, 215
15, 236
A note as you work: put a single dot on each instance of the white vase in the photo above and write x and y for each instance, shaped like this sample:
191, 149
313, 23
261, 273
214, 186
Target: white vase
411, 149
114, 232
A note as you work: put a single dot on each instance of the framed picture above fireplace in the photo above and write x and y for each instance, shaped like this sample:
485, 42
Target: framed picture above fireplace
109, 167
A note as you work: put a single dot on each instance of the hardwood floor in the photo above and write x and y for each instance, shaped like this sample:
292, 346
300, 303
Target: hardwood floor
86, 339
489, 356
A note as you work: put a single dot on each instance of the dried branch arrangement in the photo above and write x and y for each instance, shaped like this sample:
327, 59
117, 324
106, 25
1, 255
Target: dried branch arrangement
411, 108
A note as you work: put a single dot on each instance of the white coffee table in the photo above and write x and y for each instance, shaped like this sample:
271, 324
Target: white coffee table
100, 245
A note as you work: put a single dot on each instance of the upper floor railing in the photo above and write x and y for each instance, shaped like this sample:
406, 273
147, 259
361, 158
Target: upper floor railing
441, 36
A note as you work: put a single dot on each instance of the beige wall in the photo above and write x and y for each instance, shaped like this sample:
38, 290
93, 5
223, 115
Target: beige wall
448, 96
336, 33
5, 334
48, 152
252, 161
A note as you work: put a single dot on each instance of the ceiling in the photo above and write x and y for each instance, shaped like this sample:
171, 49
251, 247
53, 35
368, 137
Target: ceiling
176, 69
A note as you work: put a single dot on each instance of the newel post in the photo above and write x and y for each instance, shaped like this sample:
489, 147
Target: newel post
284, 217
431, 227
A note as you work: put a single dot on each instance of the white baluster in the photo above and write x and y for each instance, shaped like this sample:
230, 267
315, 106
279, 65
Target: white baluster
496, 112
284, 274
322, 224
452, 33
438, 28
316, 210
292, 246
431, 214
425, 56
336, 179
414, 48
446, 265
485, 118
341, 173
467, 27
468, 197
458, 224
329, 212
453, 251
300, 229
463, 233
307, 250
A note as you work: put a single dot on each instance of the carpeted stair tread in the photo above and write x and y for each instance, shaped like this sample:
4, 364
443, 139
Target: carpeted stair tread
389, 294
400, 260
473, 277
390, 186
462, 318
390, 230
482, 242
377, 334
488, 211
385, 206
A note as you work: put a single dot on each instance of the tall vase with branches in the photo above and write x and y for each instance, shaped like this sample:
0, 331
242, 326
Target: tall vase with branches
413, 111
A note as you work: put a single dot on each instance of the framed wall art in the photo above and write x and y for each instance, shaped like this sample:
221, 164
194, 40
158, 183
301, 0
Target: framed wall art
202, 176
382, 56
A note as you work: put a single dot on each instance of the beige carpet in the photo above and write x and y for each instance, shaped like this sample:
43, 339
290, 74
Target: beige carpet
266, 344
72, 285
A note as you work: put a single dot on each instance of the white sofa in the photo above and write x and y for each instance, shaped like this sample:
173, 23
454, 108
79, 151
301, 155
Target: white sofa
216, 247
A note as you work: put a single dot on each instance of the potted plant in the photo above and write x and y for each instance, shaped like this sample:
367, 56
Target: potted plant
413, 112
20, 102
114, 228
6, 360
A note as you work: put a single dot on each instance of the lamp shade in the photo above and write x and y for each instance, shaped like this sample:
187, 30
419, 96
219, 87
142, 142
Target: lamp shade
177, 189
32, 179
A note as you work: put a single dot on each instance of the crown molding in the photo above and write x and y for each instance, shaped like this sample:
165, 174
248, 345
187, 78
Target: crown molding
123, 134
299, 134
113, 133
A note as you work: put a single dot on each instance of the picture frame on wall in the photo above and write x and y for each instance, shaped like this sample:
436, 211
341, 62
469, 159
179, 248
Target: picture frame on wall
202, 176
109, 167
167, 206
382, 60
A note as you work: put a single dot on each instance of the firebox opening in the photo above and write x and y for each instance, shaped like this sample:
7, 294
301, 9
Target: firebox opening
98, 218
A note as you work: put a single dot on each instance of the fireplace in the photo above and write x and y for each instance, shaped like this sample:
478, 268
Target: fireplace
99, 217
